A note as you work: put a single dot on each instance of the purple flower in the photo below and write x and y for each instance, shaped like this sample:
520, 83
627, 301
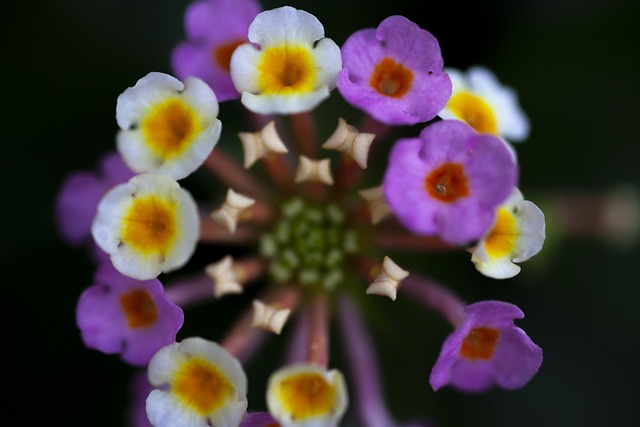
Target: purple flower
394, 72
449, 181
127, 316
487, 349
258, 419
214, 29
139, 389
80, 193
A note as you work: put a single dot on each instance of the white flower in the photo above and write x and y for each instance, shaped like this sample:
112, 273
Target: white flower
480, 100
517, 235
201, 385
148, 225
292, 68
166, 126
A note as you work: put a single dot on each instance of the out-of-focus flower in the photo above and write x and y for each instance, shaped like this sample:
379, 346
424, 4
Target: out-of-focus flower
122, 315
394, 72
147, 225
480, 100
449, 181
167, 126
307, 396
199, 383
290, 67
517, 235
487, 349
258, 419
214, 29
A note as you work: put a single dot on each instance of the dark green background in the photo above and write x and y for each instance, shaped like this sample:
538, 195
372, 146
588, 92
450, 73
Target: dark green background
575, 66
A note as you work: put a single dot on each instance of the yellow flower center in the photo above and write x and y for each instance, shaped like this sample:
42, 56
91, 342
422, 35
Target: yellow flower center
447, 183
479, 343
221, 55
149, 225
286, 70
201, 386
475, 111
391, 78
503, 236
139, 308
306, 395
170, 127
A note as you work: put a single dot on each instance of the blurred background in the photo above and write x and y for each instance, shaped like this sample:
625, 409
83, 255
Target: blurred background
574, 65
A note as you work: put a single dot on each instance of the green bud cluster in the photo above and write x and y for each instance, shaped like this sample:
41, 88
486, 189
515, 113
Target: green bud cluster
308, 245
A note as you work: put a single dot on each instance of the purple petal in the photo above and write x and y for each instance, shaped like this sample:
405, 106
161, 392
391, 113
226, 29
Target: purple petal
76, 205
258, 419
218, 20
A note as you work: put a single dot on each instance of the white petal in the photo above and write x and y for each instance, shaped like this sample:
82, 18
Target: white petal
285, 24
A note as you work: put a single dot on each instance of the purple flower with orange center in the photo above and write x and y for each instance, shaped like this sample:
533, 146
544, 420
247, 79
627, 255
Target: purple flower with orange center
449, 181
487, 349
126, 316
394, 73
214, 29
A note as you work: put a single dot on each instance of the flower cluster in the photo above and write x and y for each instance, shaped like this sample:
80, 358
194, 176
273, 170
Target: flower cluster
318, 241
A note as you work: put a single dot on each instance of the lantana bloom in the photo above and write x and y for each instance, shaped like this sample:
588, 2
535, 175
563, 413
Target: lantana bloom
122, 315
487, 349
199, 384
394, 72
214, 29
289, 66
481, 101
148, 225
80, 193
449, 181
167, 126
306, 395
258, 419
517, 235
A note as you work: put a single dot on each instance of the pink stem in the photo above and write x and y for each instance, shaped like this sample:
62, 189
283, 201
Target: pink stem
435, 297
318, 338
232, 174
304, 131
190, 291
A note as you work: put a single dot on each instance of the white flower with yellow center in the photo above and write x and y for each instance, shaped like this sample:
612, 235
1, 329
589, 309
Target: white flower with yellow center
166, 126
148, 225
307, 396
200, 384
480, 100
517, 235
290, 67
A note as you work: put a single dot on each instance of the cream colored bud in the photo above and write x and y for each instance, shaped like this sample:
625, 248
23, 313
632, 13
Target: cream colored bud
314, 170
388, 280
269, 317
347, 139
377, 204
258, 144
231, 209
224, 277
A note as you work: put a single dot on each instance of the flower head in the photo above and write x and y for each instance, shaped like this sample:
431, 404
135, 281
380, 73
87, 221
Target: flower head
214, 29
127, 316
487, 349
307, 396
290, 67
167, 126
449, 181
147, 225
199, 383
516, 236
394, 72
479, 100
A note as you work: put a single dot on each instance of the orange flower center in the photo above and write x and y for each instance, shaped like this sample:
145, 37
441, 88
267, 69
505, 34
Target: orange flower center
503, 236
306, 395
286, 69
390, 78
447, 182
139, 308
150, 225
170, 127
221, 55
475, 111
479, 343
201, 386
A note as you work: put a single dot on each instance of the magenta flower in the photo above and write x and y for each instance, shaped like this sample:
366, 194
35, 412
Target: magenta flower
487, 349
394, 73
449, 181
258, 419
80, 193
122, 315
214, 29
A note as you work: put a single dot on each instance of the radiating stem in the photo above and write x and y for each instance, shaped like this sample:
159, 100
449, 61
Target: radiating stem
303, 127
213, 232
435, 297
189, 291
371, 125
401, 240
235, 176
279, 171
297, 346
318, 338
